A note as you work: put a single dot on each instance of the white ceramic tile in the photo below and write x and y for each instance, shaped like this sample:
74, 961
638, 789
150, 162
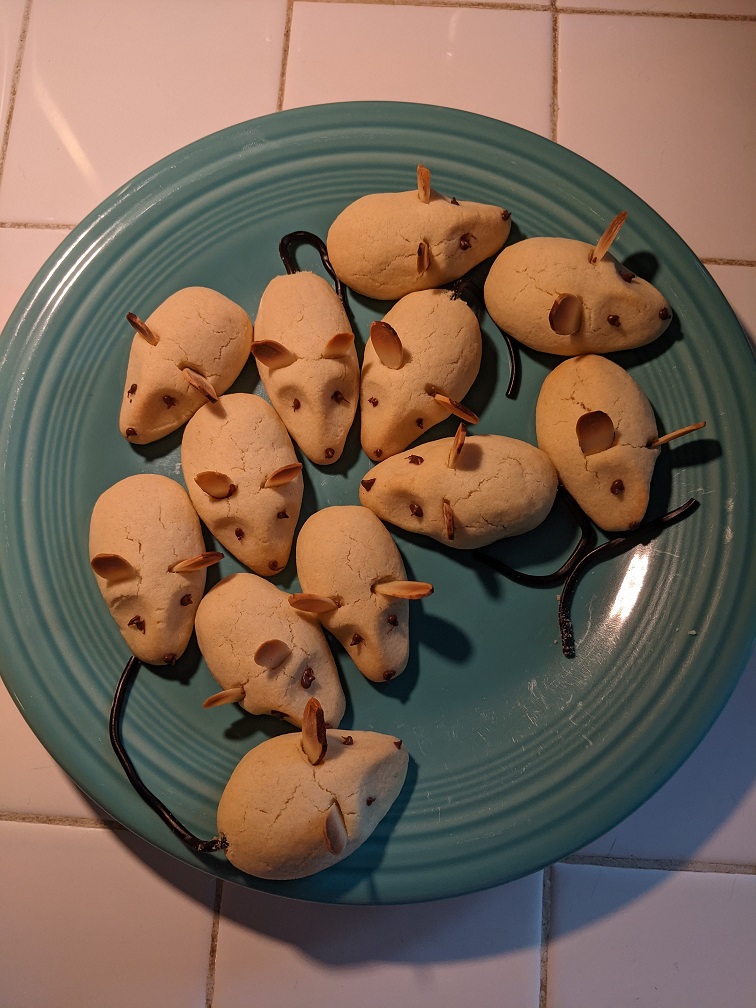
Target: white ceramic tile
738, 284
31, 782
11, 19
718, 8
630, 938
108, 88
494, 62
433, 955
707, 810
661, 104
87, 922
22, 252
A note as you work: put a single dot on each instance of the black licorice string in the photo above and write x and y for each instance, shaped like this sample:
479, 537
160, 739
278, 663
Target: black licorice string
542, 580
295, 238
461, 287
606, 550
116, 712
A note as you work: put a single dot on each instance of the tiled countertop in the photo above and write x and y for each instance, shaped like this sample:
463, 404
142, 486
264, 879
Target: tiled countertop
659, 912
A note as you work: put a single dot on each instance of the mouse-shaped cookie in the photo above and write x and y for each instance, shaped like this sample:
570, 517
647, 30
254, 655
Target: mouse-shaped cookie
568, 297
244, 479
264, 654
304, 347
419, 362
465, 492
353, 578
598, 428
147, 551
301, 802
387, 244
187, 352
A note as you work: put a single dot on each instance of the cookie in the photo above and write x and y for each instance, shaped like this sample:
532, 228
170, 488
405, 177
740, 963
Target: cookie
147, 552
420, 361
552, 296
386, 245
284, 818
465, 492
596, 425
188, 352
264, 654
304, 347
244, 479
353, 579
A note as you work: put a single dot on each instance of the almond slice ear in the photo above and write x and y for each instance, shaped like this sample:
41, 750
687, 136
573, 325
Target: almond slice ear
314, 738
272, 653
196, 563
309, 603
606, 239
566, 314
338, 345
423, 257
201, 383
423, 184
595, 432
283, 475
387, 345
233, 694
142, 328
272, 354
215, 484
112, 567
456, 448
403, 589
448, 516
456, 408
334, 829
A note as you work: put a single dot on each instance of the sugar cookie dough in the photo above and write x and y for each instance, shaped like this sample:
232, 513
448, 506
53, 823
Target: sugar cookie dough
264, 654
142, 528
463, 495
244, 479
188, 351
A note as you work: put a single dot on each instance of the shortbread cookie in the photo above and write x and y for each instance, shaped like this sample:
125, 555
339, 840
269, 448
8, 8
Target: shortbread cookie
244, 479
146, 548
353, 579
304, 347
420, 361
284, 818
463, 492
388, 244
187, 352
595, 424
549, 294
264, 654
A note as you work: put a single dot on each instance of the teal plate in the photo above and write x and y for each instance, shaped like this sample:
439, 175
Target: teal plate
518, 755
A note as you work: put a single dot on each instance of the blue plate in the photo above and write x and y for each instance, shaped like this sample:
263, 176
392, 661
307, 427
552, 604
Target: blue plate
518, 755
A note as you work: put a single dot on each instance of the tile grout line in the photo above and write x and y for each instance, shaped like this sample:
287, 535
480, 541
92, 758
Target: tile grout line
546, 905
660, 864
80, 822
210, 984
554, 116
21, 46
34, 226
285, 54
493, 5
678, 15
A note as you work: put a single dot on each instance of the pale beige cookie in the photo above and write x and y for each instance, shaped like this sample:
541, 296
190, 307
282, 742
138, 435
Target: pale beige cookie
387, 244
264, 654
283, 817
244, 479
147, 551
353, 579
419, 362
304, 347
463, 492
186, 353
595, 424
549, 294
